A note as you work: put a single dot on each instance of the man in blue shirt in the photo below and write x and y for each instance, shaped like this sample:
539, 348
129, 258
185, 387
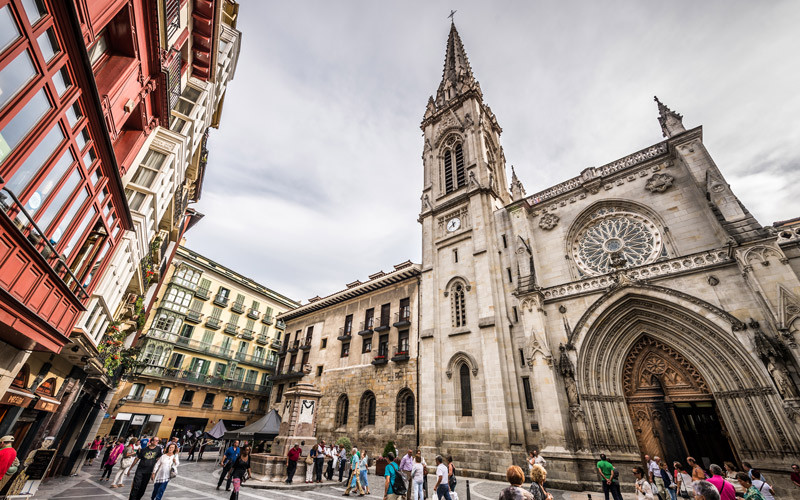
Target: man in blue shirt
231, 454
390, 472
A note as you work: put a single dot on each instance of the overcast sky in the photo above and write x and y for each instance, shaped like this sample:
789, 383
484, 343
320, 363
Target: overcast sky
315, 175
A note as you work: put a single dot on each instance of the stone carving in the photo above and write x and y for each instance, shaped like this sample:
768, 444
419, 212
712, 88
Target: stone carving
537, 344
649, 358
780, 375
548, 221
658, 183
713, 280
426, 203
568, 373
517, 189
464, 357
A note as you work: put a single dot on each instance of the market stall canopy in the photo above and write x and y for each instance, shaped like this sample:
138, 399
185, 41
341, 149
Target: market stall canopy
265, 427
217, 432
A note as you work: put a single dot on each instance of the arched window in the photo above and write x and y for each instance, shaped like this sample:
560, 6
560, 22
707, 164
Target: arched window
466, 391
458, 305
21, 380
366, 414
405, 408
342, 408
454, 157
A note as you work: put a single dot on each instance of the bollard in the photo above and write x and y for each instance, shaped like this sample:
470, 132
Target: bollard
468, 496
589, 495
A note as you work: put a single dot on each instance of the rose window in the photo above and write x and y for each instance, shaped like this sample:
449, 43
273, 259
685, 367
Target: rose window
613, 240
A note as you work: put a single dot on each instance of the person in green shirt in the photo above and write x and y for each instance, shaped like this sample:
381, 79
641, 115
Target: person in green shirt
610, 481
750, 491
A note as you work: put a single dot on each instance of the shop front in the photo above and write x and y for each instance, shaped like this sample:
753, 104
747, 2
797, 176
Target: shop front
136, 425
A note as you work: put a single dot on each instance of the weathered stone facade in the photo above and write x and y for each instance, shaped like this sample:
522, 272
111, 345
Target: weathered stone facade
358, 359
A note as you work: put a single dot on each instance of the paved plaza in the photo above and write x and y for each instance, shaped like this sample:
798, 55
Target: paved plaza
198, 481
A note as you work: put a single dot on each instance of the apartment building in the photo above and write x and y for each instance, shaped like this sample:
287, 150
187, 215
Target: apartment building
359, 348
209, 349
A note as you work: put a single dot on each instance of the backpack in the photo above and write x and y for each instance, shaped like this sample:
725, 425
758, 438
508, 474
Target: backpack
399, 483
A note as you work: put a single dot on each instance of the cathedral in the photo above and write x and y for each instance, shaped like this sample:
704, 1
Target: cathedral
638, 308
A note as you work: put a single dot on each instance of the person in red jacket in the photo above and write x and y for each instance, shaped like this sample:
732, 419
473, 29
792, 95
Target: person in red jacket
7, 455
291, 462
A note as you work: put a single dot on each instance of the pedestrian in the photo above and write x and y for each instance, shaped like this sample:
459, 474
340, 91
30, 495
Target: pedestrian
726, 489
108, 445
128, 455
610, 478
202, 449
538, 459
750, 491
531, 462
319, 460
538, 477
330, 457
342, 462
417, 475
392, 475
8, 456
683, 481
166, 468
442, 489
310, 466
515, 478
354, 481
94, 447
642, 486
451, 473
424, 473
654, 476
240, 472
761, 485
795, 475
112, 459
669, 484
192, 447
363, 467
291, 462
703, 490
406, 464
231, 454
146, 458
697, 472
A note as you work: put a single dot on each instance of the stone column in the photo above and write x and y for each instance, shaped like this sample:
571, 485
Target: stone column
299, 418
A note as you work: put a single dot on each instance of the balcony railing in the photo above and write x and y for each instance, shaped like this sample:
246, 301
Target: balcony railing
237, 307
267, 320
366, 327
221, 300
306, 345
202, 347
202, 294
402, 318
185, 376
262, 339
213, 323
194, 316
295, 346
344, 333
291, 373
247, 334
276, 344
253, 313
207, 406
133, 399
383, 323
231, 328
280, 325
400, 354
162, 401
381, 357
260, 361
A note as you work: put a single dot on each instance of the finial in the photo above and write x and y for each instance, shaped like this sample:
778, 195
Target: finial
452, 16
670, 121
517, 189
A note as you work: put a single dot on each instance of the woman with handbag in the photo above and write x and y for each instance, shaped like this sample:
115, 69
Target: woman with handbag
643, 489
240, 472
683, 481
669, 484
166, 468
128, 454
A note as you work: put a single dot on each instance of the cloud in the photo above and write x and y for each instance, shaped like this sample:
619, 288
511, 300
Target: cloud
315, 174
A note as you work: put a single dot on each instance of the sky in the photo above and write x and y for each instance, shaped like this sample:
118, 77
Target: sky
315, 174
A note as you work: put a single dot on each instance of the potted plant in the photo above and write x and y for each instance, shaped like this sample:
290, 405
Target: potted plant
382, 461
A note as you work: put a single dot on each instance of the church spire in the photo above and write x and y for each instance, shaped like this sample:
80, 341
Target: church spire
457, 77
671, 122
517, 189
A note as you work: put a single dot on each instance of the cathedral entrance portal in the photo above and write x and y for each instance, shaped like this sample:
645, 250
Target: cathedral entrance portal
673, 411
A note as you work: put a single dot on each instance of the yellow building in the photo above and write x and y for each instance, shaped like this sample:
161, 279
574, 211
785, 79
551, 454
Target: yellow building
209, 348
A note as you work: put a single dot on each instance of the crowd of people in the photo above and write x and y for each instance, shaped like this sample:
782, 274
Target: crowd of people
405, 476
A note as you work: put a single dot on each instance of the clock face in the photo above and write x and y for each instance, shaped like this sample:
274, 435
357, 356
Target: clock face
453, 224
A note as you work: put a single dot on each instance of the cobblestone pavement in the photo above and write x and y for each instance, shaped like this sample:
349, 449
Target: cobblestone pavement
198, 481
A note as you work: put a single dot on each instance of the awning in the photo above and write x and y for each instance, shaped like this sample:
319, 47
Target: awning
266, 427
17, 397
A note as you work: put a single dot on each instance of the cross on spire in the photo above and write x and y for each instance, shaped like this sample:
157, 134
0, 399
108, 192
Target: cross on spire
452, 16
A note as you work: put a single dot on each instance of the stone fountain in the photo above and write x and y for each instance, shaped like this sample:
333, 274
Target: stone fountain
298, 423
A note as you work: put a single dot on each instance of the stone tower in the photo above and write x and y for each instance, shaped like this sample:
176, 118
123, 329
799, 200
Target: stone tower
467, 406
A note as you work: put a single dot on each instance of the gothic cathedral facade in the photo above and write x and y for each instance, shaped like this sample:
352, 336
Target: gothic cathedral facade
636, 308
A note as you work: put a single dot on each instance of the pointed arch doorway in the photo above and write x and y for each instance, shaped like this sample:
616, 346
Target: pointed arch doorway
673, 412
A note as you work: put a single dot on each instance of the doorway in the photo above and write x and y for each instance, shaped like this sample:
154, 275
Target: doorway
672, 410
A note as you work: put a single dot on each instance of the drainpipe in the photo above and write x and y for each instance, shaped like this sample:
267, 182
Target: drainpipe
419, 302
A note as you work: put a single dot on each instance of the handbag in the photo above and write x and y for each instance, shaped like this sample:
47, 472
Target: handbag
683, 492
173, 469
